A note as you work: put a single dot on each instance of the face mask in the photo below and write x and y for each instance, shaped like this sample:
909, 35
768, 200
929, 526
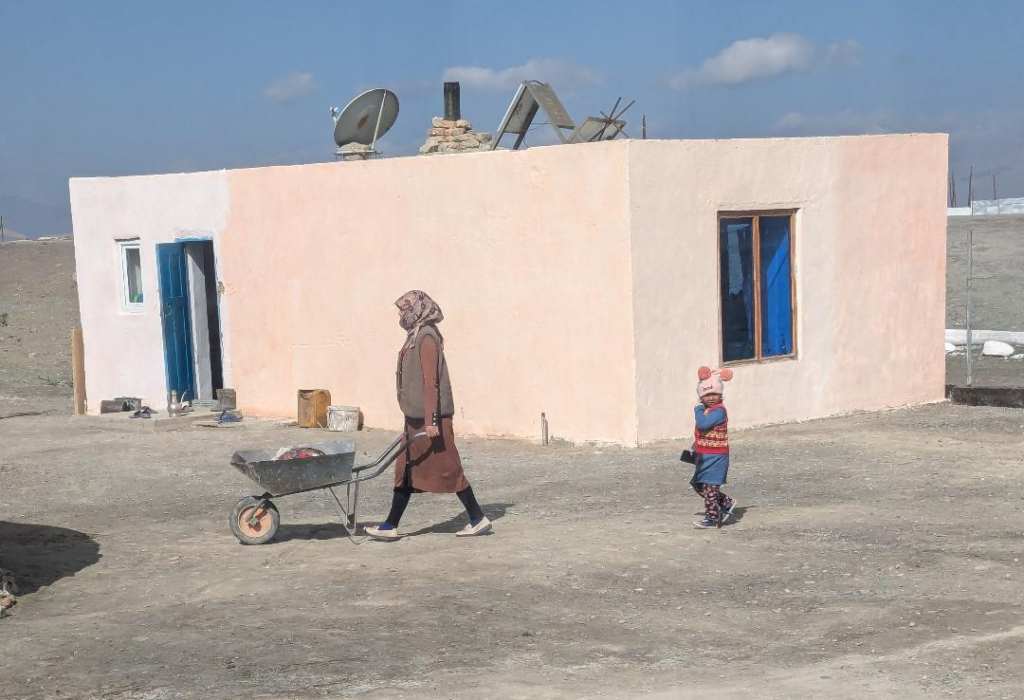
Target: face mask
408, 320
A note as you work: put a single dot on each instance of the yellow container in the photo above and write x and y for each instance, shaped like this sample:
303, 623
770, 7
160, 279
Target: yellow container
313, 405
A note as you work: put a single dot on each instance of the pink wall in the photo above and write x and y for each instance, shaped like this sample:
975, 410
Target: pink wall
527, 253
577, 280
870, 273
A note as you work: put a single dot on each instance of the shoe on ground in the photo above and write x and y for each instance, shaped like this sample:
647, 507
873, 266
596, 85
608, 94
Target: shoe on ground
386, 535
726, 513
706, 524
470, 530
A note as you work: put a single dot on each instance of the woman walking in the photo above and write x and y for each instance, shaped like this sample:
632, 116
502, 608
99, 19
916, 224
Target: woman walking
425, 397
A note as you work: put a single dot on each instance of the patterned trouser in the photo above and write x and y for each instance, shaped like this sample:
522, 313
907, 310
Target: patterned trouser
714, 499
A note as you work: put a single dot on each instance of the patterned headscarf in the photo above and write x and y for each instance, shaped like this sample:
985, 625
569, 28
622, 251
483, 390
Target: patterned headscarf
418, 310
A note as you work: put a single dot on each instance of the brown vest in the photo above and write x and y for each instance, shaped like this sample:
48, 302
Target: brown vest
410, 381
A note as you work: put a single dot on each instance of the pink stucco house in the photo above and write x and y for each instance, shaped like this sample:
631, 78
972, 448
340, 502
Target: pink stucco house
588, 282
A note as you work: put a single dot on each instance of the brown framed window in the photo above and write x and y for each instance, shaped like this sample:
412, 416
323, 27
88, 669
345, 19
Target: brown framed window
758, 303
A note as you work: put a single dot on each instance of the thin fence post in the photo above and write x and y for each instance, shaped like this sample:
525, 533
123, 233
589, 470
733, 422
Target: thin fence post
970, 272
970, 189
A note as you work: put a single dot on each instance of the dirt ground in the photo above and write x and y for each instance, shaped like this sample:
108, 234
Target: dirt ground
38, 309
874, 556
997, 298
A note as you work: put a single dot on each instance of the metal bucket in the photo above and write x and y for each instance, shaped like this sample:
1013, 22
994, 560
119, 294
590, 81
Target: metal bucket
343, 419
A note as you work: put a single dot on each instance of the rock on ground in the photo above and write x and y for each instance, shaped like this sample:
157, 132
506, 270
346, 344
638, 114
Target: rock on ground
995, 348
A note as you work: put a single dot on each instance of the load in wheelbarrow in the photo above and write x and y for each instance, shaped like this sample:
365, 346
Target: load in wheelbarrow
322, 466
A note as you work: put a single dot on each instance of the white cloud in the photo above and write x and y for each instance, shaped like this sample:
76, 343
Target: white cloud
845, 53
562, 74
290, 88
845, 122
760, 58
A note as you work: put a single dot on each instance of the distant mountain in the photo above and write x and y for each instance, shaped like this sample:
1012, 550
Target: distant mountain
33, 218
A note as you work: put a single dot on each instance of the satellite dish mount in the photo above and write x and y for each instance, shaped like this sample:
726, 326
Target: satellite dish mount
365, 119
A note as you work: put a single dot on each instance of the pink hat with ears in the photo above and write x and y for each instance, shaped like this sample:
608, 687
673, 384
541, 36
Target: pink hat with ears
710, 381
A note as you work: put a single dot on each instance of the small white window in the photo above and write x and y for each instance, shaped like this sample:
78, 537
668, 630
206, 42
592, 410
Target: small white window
131, 276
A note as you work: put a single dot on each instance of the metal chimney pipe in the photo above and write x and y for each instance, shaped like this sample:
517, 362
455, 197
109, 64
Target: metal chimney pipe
452, 106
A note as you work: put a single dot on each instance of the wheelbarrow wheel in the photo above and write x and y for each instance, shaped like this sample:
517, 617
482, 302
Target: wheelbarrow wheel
253, 522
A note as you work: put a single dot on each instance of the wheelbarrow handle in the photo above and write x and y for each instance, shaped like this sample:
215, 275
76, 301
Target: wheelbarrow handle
390, 455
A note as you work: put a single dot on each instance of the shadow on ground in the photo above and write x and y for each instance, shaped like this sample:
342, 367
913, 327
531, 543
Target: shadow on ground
737, 515
493, 511
41, 555
330, 531
317, 531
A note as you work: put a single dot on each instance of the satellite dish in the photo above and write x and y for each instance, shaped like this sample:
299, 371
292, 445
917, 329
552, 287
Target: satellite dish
366, 118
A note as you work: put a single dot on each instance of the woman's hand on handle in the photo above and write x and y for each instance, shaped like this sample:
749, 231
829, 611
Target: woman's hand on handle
432, 431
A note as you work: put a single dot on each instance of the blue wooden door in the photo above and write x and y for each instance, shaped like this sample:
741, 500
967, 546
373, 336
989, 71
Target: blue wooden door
172, 264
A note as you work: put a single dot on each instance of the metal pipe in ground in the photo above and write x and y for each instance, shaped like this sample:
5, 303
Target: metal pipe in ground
970, 272
543, 429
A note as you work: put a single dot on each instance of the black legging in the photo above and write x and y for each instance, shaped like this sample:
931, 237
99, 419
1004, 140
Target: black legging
400, 502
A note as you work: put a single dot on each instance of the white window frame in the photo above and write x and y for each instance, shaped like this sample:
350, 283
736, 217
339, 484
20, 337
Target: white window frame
122, 249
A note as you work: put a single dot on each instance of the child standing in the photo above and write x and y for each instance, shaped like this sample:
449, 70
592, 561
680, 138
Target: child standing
711, 443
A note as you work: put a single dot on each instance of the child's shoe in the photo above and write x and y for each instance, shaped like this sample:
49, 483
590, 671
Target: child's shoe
706, 524
726, 509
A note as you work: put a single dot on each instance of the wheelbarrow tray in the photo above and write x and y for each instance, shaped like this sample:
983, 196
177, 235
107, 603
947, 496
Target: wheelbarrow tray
288, 476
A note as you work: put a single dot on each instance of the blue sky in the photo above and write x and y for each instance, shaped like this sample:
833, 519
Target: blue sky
115, 88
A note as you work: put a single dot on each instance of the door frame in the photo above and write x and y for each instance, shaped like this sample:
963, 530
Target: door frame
200, 319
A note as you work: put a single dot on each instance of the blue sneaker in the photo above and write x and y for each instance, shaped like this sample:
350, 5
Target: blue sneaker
726, 509
706, 524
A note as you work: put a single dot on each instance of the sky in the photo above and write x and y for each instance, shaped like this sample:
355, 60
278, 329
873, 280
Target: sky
105, 88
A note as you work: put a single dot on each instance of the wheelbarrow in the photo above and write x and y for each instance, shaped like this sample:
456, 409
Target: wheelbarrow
323, 466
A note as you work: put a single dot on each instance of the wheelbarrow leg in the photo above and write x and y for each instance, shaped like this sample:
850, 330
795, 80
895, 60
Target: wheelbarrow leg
347, 511
353, 505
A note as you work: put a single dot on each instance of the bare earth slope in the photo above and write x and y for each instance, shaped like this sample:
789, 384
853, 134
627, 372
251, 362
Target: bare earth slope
38, 296
997, 299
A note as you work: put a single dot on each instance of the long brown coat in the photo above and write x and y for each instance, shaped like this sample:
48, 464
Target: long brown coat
433, 466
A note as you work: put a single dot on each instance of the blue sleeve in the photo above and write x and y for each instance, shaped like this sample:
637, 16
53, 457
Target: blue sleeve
709, 421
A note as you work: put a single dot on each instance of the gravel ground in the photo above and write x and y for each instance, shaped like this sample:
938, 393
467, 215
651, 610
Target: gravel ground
874, 556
